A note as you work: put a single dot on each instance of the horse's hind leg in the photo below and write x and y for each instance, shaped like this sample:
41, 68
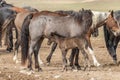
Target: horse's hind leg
15, 57
31, 50
51, 53
36, 52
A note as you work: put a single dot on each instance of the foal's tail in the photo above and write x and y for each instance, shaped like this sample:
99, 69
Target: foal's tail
25, 38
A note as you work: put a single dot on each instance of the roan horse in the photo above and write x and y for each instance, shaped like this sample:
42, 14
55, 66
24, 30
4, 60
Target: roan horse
112, 40
47, 23
97, 18
61, 24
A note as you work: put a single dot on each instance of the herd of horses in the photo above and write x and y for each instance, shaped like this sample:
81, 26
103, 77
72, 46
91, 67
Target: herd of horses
67, 29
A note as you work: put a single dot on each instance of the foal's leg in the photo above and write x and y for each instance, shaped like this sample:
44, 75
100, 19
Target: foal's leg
77, 59
74, 55
86, 59
51, 52
36, 52
64, 52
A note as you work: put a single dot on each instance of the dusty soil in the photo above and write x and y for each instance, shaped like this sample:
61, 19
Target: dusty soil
9, 70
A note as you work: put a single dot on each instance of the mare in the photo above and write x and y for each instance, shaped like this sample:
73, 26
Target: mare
45, 23
97, 18
112, 40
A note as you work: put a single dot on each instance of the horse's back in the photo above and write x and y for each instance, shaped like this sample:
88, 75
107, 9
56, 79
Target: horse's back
20, 19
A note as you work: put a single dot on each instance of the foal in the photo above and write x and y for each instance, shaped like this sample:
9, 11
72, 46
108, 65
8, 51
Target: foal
69, 43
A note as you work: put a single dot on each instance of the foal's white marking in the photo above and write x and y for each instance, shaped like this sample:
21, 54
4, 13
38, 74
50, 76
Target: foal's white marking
96, 63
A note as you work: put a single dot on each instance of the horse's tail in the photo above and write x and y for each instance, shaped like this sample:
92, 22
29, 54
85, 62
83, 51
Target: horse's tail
9, 20
25, 38
106, 35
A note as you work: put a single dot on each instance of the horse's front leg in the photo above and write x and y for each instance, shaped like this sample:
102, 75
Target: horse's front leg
90, 49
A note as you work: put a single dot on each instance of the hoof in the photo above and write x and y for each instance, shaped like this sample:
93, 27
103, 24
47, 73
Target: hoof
48, 63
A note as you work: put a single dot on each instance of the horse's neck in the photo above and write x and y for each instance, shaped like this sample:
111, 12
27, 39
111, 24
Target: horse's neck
99, 17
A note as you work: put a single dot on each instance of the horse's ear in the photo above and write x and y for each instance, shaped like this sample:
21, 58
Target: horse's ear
109, 10
112, 13
82, 9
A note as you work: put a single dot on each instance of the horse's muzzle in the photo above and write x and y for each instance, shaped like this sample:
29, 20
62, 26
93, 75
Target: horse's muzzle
116, 33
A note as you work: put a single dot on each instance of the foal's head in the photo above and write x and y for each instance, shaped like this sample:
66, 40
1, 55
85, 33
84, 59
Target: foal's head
112, 24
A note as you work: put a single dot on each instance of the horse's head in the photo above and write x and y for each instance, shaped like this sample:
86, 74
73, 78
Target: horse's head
86, 17
2, 2
112, 24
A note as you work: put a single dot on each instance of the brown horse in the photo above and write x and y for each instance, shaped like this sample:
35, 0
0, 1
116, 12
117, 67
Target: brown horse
18, 24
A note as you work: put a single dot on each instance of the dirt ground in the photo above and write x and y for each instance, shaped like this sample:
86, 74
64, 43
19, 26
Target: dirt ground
9, 70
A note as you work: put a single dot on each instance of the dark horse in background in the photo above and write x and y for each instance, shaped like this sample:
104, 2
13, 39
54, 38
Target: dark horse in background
3, 15
111, 40
7, 10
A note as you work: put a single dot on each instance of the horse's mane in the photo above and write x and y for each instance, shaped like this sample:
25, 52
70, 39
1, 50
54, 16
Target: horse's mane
78, 16
117, 16
72, 13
